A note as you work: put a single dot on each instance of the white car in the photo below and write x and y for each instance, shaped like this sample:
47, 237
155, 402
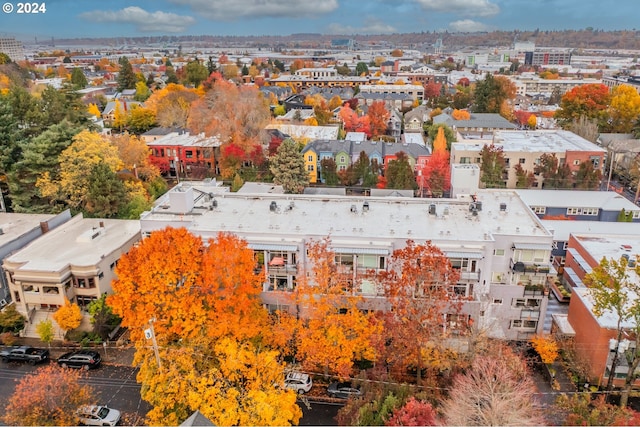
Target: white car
96, 415
301, 383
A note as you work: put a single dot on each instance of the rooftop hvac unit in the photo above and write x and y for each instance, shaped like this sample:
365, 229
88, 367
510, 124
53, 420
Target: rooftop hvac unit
273, 206
503, 207
432, 209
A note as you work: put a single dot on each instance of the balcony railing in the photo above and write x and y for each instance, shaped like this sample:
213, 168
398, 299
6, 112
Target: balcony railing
283, 269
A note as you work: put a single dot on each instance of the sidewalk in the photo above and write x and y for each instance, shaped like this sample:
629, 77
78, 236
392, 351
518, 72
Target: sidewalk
112, 354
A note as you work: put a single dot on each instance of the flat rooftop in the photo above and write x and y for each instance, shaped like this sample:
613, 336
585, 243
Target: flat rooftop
562, 229
539, 141
606, 200
77, 242
280, 216
185, 140
14, 225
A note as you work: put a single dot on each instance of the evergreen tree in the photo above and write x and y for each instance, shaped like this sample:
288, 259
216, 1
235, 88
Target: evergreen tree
361, 68
9, 148
211, 66
78, 79
126, 77
489, 95
329, 172
399, 173
107, 193
288, 169
39, 155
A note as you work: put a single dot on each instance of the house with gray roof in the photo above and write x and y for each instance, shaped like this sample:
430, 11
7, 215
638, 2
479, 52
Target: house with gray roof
415, 119
478, 122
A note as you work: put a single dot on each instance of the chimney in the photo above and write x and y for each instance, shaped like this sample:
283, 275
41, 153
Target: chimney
44, 227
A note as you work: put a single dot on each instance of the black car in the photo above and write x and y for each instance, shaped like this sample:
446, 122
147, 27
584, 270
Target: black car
342, 390
80, 359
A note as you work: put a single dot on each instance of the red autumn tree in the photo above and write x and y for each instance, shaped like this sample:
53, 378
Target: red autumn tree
432, 90
414, 413
436, 174
419, 289
590, 101
378, 118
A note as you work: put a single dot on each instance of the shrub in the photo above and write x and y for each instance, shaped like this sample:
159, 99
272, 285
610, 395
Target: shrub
8, 338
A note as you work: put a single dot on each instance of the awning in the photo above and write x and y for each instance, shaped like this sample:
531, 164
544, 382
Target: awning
361, 251
532, 246
272, 247
457, 254
574, 279
276, 261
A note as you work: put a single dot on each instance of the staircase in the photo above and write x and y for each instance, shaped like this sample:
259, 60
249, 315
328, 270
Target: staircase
29, 330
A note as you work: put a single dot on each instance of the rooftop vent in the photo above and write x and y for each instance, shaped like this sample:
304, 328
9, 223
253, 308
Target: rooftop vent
479, 205
365, 207
354, 209
503, 207
273, 207
432, 209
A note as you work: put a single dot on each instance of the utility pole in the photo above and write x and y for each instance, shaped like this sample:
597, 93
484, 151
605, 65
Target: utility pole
151, 334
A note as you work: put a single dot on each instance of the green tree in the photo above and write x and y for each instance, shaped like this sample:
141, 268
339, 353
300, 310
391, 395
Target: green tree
39, 156
555, 175
102, 317
288, 168
9, 134
126, 77
44, 329
400, 174
78, 79
361, 68
364, 172
237, 183
615, 293
328, 169
196, 73
488, 95
524, 178
492, 166
11, 320
4, 58
106, 193
211, 65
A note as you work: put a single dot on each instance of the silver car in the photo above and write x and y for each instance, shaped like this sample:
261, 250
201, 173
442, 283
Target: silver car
95, 415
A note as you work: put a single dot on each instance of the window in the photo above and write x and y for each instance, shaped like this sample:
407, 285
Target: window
554, 245
342, 159
517, 323
310, 158
541, 210
506, 161
636, 214
478, 160
498, 252
518, 302
576, 162
521, 160
497, 301
565, 246
582, 211
310, 168
530, 324
188, 154
465, 159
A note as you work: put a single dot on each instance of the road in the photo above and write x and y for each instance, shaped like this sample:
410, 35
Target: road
116, 387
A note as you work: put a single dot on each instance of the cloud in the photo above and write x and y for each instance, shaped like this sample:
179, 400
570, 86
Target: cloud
461, 7
469, 26
229, 10
371, 26
143, 20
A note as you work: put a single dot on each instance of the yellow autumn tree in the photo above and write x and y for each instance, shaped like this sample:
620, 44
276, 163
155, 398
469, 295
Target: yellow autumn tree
624, 109
68, 316
546, 347
87, 150
94, 110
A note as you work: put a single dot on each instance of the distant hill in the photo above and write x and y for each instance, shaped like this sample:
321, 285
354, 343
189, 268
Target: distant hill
585, 39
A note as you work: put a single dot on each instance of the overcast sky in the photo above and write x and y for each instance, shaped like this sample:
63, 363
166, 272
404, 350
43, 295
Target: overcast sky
117, 18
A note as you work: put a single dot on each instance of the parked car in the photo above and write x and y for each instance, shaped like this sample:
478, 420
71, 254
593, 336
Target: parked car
25, 353
342, 390
80, 359
95, 415
299, 382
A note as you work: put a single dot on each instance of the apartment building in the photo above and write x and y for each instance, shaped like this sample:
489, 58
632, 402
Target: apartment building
179, 151
17, 231
12, 48
500, 247
526, 147
595, 336
416, 91
531, 84
76, 261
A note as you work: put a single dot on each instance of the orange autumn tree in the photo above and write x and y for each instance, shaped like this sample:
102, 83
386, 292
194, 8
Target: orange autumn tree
461, 115
418, 286
332, 332
378, 118
546, 347
48, 396
209, 324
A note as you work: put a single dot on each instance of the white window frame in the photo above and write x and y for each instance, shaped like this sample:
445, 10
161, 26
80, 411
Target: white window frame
541, 210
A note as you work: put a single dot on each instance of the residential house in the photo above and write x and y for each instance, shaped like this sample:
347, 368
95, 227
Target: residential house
121, 107
415, 119
500, 248
74, 261
479, 124
401, 101
178, 152
415, 91
17, 231
157, 133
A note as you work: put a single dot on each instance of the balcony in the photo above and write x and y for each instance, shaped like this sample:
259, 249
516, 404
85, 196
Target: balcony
530, 267
470, 275
283, 269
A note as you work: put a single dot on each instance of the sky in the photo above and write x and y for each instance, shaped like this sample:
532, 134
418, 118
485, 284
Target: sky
117, 18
